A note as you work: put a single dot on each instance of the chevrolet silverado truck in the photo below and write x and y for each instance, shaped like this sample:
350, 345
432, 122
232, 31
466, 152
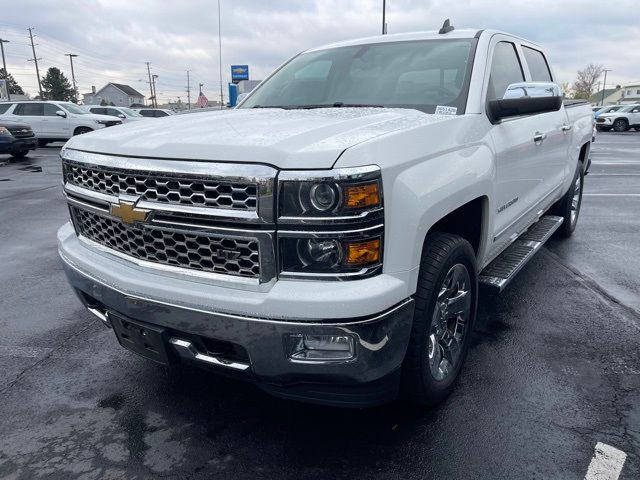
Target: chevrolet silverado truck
327, 238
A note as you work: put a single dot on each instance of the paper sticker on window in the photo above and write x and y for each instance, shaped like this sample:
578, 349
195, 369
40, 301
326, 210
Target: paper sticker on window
444, 110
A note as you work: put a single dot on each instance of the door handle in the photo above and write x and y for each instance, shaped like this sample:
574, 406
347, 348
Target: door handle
566, 128
539, 137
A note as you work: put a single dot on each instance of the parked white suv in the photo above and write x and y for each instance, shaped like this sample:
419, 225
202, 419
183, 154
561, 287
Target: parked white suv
621, 121
57, 121
127, 115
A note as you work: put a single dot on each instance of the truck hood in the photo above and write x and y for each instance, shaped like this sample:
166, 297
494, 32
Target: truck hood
286, 139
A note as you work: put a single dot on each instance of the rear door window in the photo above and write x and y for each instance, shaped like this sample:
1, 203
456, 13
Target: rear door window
30, 109
505, 70
538, 67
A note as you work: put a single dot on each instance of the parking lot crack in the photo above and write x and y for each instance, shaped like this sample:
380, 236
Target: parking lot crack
47, 356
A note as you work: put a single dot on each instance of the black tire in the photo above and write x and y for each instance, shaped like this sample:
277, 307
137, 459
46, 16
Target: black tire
20, 154
620, 125
564, 206
637, 129
82, 130
442, 253
42, 143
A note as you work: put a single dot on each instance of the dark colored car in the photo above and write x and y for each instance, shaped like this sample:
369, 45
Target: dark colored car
16, 138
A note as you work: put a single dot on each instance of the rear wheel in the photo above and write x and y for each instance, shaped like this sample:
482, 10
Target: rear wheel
621, 125
20, 153
82, 130
568, 207
445, 309
42, 143
637, 129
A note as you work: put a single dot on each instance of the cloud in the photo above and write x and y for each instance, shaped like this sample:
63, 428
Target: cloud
114, 38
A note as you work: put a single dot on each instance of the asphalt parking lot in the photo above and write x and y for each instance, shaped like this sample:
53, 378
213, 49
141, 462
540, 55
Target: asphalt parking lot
554, 369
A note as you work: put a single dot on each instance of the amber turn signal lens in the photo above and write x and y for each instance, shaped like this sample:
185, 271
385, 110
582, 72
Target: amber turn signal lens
362, 253
359, 196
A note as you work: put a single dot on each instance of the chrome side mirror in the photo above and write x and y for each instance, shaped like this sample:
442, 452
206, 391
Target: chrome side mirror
122, 115
525, 98
60, 113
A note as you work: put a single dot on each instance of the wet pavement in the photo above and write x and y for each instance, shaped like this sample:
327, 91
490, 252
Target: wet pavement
554, 369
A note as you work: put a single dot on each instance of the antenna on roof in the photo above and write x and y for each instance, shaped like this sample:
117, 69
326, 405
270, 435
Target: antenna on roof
446, 27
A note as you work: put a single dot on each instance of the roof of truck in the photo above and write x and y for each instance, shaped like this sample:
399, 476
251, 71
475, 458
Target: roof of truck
411, 36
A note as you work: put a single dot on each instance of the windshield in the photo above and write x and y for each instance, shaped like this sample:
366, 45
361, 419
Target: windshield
129, 113
420, 74
71, 108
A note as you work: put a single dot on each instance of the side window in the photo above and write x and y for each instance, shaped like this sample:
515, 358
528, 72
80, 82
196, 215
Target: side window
50, 110
538, 66
4, 107
112, 111
99, 111
505, 70
30, 109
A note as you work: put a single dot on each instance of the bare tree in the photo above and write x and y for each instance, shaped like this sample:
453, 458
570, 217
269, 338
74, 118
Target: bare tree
586, 80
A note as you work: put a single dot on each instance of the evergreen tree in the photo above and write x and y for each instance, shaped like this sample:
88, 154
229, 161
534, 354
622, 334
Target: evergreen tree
12, 85
55, 86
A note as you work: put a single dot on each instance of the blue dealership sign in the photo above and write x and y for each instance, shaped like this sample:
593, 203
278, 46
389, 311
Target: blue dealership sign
239, 72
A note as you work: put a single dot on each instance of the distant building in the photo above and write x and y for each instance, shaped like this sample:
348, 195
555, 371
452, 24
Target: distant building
631, 93
245, 86
114, 93
612, 96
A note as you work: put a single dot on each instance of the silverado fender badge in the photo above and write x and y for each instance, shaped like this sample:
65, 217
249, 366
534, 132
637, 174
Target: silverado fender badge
128, 213
507, 205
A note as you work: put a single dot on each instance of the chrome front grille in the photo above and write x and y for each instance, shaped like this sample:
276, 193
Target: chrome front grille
163, 188
193, 250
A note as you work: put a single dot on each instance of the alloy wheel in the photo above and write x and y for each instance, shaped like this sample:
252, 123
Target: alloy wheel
449, 323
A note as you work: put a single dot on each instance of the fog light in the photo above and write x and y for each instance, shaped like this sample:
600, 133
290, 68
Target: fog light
318, 348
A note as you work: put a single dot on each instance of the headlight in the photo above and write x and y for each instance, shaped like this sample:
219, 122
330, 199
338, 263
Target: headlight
344, 192
4, 131
330, 223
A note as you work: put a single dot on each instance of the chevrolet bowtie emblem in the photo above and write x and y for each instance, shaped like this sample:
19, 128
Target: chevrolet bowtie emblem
128, 213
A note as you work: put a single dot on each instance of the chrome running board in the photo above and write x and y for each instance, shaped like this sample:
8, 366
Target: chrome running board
497, 275
186, 349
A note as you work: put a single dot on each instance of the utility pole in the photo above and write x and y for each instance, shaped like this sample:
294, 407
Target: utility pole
604, 86
155, 96
73, 76
384, 15
4, 64
35, 60
150, 84
188, 92
201, 85
220, 54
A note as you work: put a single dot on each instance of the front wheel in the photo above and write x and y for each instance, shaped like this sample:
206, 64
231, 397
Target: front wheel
445, 308
82, 130
621, 125
20, 154
637, 129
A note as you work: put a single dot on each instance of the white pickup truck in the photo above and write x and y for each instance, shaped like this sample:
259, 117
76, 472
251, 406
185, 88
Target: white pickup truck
327, 238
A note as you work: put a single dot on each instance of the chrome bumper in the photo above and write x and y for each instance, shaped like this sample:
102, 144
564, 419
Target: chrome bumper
381, 343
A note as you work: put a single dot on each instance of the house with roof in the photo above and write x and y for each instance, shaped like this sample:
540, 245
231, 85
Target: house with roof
612, 96
631, 93
114, 93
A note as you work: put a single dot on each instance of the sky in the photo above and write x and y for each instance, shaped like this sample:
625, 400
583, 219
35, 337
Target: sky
114, 38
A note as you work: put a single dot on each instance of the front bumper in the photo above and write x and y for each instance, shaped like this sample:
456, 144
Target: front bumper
370, 378
17, 144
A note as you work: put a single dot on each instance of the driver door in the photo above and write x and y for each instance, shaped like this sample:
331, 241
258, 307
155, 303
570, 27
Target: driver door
53, 125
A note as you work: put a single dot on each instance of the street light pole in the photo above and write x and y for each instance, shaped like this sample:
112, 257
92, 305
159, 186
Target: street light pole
4, 64
73, 76
150, 84
220, 54
604, 86
188, 92
384, 15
